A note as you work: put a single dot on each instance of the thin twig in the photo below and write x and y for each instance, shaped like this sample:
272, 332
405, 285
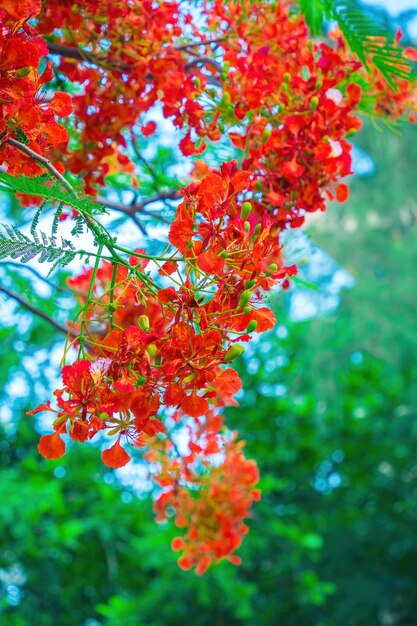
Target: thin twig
39, 276
142, 159
204, 61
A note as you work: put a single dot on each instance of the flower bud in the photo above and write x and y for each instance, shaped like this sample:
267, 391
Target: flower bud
151, 350
249, 283
245, 210
245, 296
272, 267
247, 309
266, 135
144, 323
251, 326
314, 102
233, 353
257, 229
247, 226
224, 254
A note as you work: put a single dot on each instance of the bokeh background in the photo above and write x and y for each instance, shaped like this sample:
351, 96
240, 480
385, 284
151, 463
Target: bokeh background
329, 412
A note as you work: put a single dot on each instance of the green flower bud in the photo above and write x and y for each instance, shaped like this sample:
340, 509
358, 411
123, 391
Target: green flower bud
224, 254
247, 309
266, 135
249, 284
245, 210
314, 102
272, 267
151, 350
143, 323
233, 353
251, 326
247, 226
257, 229
245, 296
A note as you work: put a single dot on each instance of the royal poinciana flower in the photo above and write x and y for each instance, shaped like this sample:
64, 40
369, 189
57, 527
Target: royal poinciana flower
156, 340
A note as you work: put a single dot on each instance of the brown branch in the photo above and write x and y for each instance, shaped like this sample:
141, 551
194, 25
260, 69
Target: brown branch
68, 52
35, 311
196, 44
132, 209
77, 54
41, 160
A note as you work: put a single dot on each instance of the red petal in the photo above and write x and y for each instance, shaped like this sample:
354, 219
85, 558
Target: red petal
177, 544
61, 104
51, 446
410, 54
194, 406
116, 456
167, 295
228, 383
265, 318
210, 263
40, 408
181, 233
149, 129
23, 9
342, 192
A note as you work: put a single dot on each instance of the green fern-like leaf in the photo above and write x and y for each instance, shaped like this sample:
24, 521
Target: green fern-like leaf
37, 186
17, 245
369, 40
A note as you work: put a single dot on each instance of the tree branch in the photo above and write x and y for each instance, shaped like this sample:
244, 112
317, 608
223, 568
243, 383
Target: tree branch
67, 51
77, 54
42, 160
132, 209
35, 311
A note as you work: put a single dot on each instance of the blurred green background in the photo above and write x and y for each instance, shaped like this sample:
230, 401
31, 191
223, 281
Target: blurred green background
329, 413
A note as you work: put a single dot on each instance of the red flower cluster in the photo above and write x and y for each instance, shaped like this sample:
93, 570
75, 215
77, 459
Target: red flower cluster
150, 346
208, 500
156, 335
27, 114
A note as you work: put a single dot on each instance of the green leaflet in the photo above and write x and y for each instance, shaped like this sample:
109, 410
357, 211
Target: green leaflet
314, 12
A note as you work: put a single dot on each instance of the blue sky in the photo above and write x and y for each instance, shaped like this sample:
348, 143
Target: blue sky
394, 6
